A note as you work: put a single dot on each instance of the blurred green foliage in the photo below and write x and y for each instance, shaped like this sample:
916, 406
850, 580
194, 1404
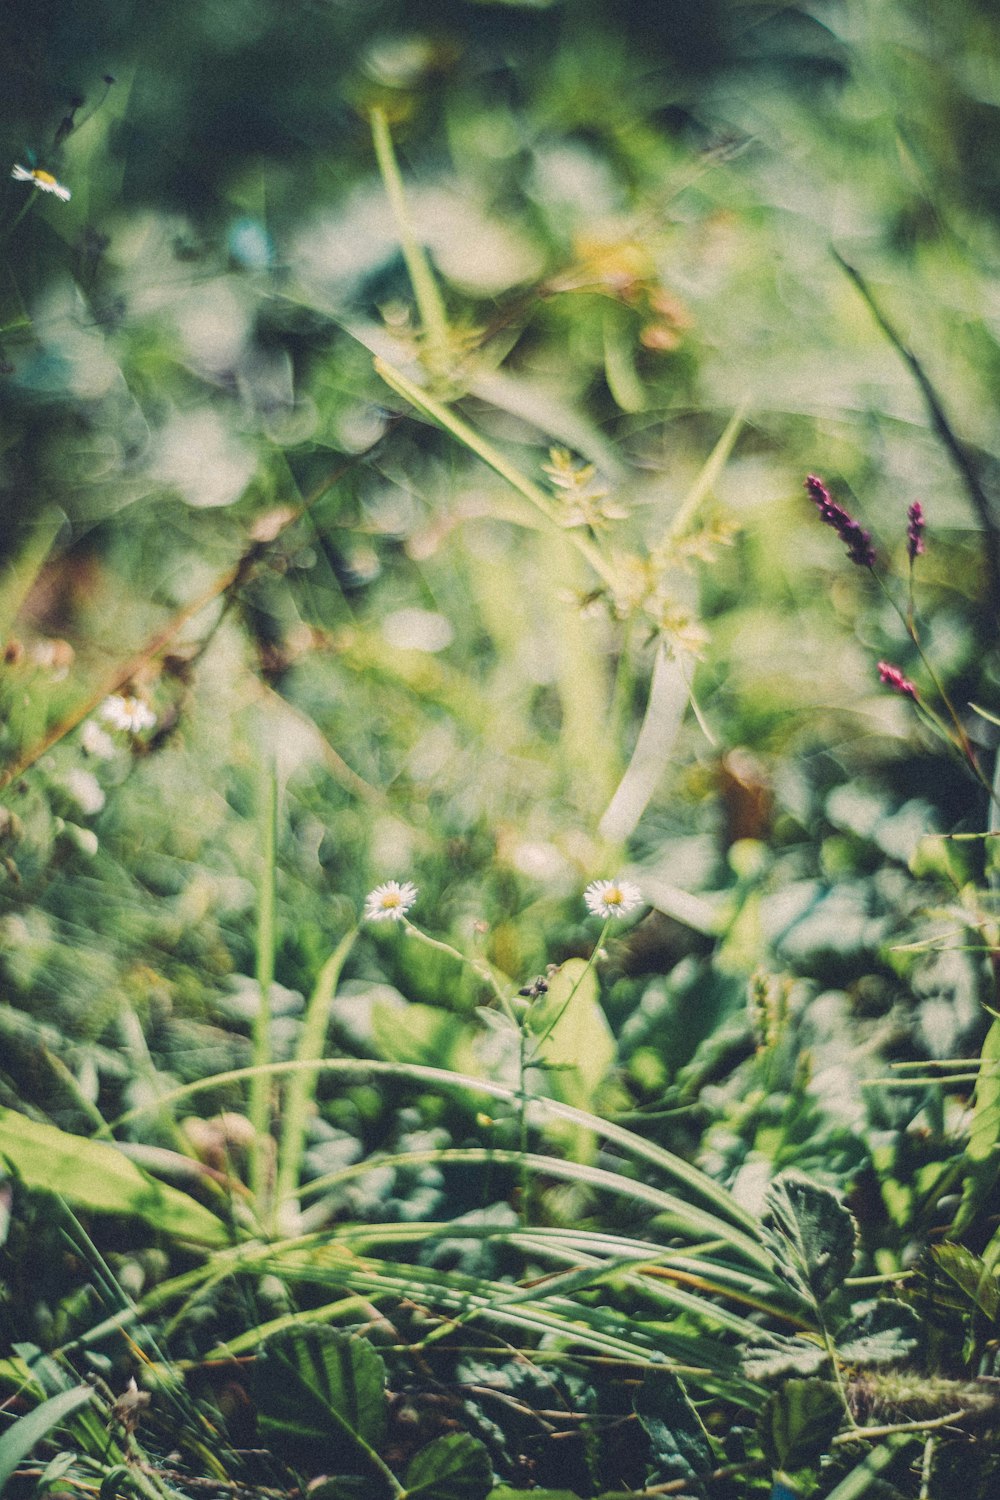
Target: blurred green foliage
643, 219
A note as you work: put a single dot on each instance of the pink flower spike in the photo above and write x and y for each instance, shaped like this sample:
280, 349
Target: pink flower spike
893, 677
915, 530
856, 539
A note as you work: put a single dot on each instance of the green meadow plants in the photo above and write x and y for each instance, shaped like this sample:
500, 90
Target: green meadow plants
498, 935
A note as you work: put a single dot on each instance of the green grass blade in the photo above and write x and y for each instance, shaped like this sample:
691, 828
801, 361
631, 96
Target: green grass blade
710, 1193
302, 1085
694, 1221
430, 304
260, 1082
19, 1440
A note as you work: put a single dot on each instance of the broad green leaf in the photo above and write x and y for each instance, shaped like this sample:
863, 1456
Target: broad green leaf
810, 1233
885, 1334
321, 1398
572, 1038
454, 1467
504, 1492
423, 1034
679, 1443
798, 1422
983, 1150
95, 1176
972, 1275
18, 1440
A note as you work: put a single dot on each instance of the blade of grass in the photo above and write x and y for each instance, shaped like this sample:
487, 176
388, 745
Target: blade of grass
695, 1219
302, 1085
260, 1079
460, 430
710, 471
634, 1145
427, 296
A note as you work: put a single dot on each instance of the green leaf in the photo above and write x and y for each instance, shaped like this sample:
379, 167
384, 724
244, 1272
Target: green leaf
117, 1481
504, 1492
860, 1480
679, 1443
885, 1334
95, 1176
419, 1033
574, 1042
321, 1398
454, 1467
810, 1234
798, 1422
768, 1364
982, 1153
970, 1274
18, 1440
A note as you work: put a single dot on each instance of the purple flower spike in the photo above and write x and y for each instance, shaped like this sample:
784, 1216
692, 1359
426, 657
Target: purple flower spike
857, 541
893, 677
915, 530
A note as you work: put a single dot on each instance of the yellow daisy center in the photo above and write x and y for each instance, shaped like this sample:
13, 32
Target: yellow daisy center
44, 177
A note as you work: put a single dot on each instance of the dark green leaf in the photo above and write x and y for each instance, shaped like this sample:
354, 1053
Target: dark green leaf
885, 1334
810, 1233
321, 1398
18, 1440
679, 1443
455, 1467
971, 1274
117, 1481
798, 1422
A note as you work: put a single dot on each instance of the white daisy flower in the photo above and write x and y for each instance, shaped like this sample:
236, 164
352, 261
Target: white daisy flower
125, 711
40, 179
389, 902
612, 898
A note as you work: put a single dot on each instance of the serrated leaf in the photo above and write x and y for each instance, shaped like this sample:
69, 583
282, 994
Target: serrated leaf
680, 1448
810, 1234
885, 1334
768, 1363
454, 1467
96, 1176
19, 1439
970, 1274
798, 1422
321, 1398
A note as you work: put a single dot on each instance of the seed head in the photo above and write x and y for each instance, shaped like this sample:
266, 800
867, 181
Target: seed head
857, 541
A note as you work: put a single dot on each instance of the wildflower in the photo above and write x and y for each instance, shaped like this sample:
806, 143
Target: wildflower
40, 179
389, 902
125, 711
915, 530
857, 540
612, 898
893, 677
